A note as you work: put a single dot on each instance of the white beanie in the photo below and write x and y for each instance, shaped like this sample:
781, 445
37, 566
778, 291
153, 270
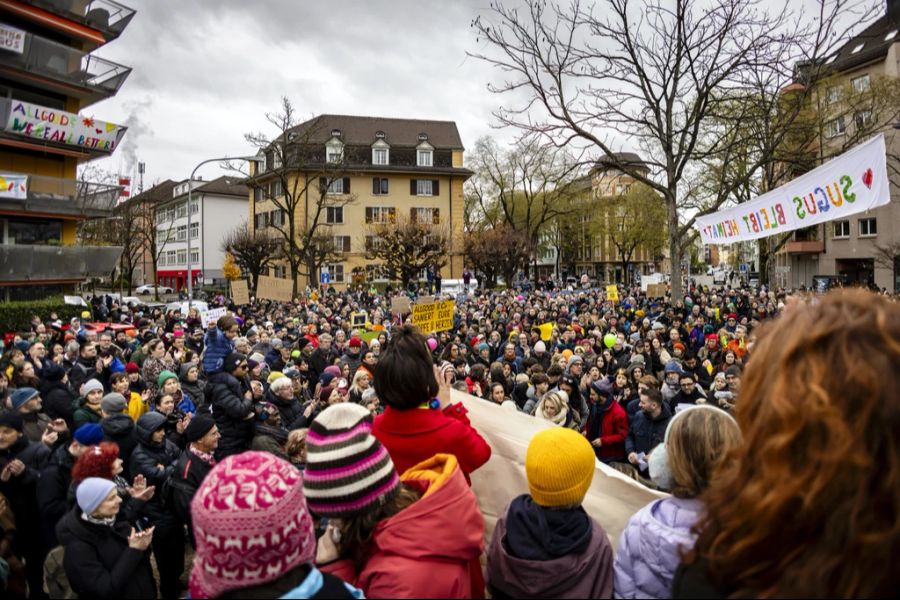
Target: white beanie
540, 346
92, 492
91, 385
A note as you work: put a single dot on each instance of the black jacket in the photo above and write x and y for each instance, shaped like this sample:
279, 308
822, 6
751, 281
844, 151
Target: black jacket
21, 491
230, 410
99, 563
190, 471
145, 460
53, 492
291, 410
82, 370
645, 433
58, 399
121, 430
319, 360
682, 398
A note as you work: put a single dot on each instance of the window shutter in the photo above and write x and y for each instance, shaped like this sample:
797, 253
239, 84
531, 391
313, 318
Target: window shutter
376, 185
413, 214
435, 189
346, 243
412, 187
368, 214
435, 216
346, 185
323, 184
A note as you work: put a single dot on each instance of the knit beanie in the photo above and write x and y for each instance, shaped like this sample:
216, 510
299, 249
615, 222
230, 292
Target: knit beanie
274, 375
12, 420
232, 361
326, 378
164, 377
92, 492
113, 403
559, 465
348, 471
90, 385
89, 434
333, 369
54, 372
251, 524
132, 368
198, 427
574, 359
22, 395
540, 346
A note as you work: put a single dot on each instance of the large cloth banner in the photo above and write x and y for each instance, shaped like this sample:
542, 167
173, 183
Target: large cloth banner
612, 498
851, 183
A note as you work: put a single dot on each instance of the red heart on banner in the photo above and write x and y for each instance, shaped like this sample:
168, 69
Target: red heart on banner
99, 131
867, 178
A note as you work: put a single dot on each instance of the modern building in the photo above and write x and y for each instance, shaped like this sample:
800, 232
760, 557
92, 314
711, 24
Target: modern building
48, 73
379, 168
217, 207
865, 248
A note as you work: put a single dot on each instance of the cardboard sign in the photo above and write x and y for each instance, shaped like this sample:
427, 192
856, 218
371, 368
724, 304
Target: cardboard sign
656, 290
240, 292
433, 316
612, 293
274, 288
359, 319
400, 305
213, 315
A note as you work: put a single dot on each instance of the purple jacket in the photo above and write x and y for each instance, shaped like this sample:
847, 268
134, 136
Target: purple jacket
651, 545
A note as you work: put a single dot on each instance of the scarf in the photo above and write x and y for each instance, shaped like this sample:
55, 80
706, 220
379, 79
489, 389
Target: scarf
107, 521
207, 458
534, 532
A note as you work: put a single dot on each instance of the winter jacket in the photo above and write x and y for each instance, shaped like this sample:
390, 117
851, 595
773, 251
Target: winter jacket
34, 424
194, 389
586, 573
99, 563
651, 545
82, 370
692, 398
53, 492
412, 436
58, 399
230, 410
608, 422
291, 410
83, 414
353, 360
269, 439
121, 430
189, 472
145, 460
645, 433
21, 493
216, 347
151, 370
411, 561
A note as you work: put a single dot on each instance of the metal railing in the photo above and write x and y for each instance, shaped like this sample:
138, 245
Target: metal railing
59, 194
37, 263
105, 15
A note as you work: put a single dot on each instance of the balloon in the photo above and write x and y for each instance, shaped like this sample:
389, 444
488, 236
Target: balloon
432, 344
609, 340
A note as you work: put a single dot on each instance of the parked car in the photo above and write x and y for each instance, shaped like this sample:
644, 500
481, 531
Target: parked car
183, 306
147, 289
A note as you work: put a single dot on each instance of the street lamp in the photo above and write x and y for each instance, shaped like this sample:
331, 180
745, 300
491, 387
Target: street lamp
190, 276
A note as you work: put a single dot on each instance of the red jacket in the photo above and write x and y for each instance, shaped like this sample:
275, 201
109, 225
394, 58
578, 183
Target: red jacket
412, 436
613, 431
428, 549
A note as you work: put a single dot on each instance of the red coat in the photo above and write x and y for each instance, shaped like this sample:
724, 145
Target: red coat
613, 431
412, 436
428, 549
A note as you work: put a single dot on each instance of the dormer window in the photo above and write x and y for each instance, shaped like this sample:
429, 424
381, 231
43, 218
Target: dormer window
380, 153
424, 154
334, 150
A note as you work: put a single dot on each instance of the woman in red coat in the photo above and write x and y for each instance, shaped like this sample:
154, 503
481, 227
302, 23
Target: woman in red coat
607, 424
419, 421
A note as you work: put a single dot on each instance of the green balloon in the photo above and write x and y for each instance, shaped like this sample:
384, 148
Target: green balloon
609, 340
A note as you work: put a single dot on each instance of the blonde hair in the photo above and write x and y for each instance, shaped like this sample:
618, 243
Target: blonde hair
696, 444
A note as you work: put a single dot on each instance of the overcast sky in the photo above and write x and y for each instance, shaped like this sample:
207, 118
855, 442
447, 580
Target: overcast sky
206, 72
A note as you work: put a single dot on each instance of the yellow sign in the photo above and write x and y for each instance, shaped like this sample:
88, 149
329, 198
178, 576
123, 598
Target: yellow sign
612, 293
433, 316
359, 319
274, 288
240, 293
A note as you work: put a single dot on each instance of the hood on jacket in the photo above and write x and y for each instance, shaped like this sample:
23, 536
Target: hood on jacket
183, 371
447, 505
117, 426
147, 424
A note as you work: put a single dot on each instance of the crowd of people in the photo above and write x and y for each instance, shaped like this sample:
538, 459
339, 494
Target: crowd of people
298, 454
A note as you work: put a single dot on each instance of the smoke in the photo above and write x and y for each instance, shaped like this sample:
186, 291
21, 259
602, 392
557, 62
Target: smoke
137, 129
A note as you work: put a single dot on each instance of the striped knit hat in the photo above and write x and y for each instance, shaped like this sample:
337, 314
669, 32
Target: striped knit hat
348, 471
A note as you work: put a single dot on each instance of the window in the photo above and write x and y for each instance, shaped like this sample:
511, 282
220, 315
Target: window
276, 217
858, 48
257, 195
379, 156
182, 257
275, 189
861, 83
334, 215
341, 243
195, 257
379, 186
195, 207
339, 185
337, 273
162, 260
423, 187
181, 234
334, 151
181, 211
170, 235
622, 188
835, 128
863, 119
170, 257
373, 242
279, 271
833, 94
424, 215
868, 228
195, 230
424, 158
261, 220
381, 214
841, 229
336, 187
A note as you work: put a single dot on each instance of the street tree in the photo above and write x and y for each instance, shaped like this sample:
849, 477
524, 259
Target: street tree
405, 247
650, 74
253, 251
632, 222
497, 252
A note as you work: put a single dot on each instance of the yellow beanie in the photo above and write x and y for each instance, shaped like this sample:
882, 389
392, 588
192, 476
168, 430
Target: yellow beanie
274, 375
559, 465
567, 353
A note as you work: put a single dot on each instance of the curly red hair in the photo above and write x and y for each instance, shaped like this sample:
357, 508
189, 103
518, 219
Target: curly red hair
809, 505
97, 461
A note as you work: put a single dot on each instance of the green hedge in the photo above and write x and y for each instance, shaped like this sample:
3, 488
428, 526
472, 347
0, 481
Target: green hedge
16, 316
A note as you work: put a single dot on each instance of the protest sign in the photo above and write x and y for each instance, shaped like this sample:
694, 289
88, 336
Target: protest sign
400, 305
213, 315
240, 293
433, 316
273, 288
359, 319
612, 293
656, 290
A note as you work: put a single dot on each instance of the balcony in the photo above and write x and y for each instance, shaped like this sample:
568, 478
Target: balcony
56, 263
106, 16
59, 196
804, 247
66, 69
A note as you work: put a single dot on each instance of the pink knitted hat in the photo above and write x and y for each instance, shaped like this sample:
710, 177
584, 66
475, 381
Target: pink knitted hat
251, 524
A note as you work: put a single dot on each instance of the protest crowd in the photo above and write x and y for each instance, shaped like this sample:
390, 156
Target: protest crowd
291, 450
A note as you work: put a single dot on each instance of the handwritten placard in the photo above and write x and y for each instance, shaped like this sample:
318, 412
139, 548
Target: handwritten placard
53, 125
274, 288
240, 292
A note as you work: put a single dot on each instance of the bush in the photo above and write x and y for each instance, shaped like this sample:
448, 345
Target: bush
16, 316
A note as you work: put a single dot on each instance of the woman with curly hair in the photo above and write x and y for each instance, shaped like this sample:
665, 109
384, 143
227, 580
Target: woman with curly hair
808, 505
103, 461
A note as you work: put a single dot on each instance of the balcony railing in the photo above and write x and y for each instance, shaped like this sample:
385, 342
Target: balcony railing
104, 15
46, 263
58, 195
52, 59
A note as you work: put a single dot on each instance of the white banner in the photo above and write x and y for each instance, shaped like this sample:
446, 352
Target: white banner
851, 183
13, 186
211, 315
12, 39
61, 127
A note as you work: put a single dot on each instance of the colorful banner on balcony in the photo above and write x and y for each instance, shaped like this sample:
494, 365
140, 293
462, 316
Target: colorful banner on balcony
851, 183
13, 186
57, 126
12, 39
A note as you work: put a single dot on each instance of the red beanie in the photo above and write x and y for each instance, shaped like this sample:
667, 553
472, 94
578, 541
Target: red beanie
132, 368
355, 342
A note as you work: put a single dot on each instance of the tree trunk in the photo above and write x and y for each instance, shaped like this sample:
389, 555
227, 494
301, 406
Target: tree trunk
674, 245
763, 261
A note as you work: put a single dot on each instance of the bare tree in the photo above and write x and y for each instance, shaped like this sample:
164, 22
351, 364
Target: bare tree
253, 251
405, 247
652, 73
297, 187
499, 251
631, 222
